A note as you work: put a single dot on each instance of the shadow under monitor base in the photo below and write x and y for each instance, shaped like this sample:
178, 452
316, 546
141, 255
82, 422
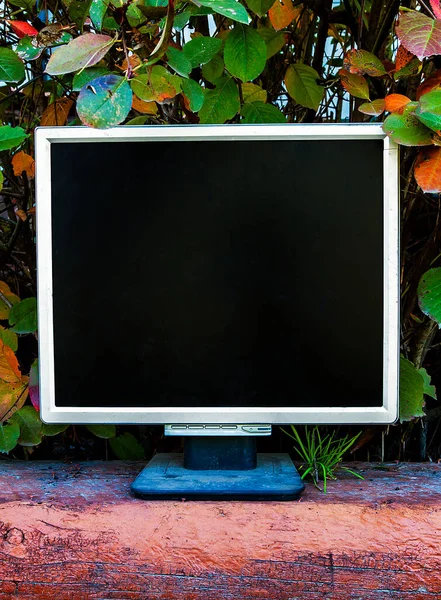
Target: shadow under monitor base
166, 478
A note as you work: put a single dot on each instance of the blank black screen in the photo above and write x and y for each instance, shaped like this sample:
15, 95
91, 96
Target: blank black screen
208, 273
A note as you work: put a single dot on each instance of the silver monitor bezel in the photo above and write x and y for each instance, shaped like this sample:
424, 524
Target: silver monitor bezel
51, 413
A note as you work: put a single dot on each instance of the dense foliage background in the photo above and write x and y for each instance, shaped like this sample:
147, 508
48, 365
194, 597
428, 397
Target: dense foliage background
103, 63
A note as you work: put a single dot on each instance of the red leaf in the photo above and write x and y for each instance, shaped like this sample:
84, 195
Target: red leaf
436, 8
428, 170
433, 83
395, 103
421, 35
34, 385
22, 28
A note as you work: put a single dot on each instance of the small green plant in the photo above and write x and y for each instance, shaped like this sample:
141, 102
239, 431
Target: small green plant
321, 454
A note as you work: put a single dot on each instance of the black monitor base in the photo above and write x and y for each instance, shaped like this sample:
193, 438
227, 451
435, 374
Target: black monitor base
171, 477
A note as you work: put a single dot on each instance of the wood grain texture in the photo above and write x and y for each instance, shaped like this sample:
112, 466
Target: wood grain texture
72, 532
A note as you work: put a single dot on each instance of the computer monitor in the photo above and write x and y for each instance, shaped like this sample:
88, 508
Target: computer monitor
218, 279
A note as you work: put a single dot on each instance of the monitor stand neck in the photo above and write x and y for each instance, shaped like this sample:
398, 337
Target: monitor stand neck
220, 453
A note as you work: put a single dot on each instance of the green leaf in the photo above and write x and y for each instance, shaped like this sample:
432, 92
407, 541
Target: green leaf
82, 52
9, 435
406, 129
78, 11
134, 15
25, 4
26, 49
8, 337
259, 112
274, 40
245, 53
23, 316
301, 84
373, 109
126, 447
362, 62
181, 20
2, 179
178, 61
105, 101
228, 8
86, 76
222, 103
194, 93
260, 7
136, 121
30, 426
201, 50
429, 389
158, 86
11, 66
98, 9
429, 110
110, 24
103, 431
419, 34
50, 430
429, 294
11, 137
213, 69
411, 391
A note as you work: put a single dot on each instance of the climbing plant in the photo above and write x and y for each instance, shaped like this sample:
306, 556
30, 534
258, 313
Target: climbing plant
103, 63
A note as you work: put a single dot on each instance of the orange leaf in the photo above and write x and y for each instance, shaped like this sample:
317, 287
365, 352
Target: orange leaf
134, 61
428, 170
403, 58
146, 108
23, 162
57, 112
281, 14
12, 397
21, 214
395, 103
430, 84
9, 369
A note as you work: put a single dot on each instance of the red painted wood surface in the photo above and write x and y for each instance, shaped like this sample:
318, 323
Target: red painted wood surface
73, 532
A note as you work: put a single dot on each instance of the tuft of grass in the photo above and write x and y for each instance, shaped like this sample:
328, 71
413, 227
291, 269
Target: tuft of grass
321, 454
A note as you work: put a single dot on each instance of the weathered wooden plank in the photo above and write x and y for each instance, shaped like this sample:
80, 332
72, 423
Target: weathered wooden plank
73, 532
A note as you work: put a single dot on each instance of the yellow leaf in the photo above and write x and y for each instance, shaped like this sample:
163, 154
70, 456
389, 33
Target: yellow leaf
57, 112
6, 299
253, 93
12, 397
23, 162
9, 369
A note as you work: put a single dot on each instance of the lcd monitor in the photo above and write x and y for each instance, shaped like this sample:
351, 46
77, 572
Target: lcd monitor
218, 279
